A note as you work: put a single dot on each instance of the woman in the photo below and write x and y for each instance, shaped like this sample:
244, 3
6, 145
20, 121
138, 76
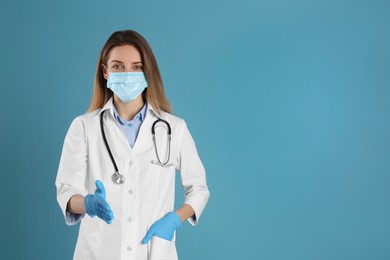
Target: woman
134, 207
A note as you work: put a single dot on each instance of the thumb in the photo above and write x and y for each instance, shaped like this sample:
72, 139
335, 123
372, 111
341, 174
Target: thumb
100, 188
149, 235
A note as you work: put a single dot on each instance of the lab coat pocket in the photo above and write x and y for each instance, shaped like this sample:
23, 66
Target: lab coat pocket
162, 249
89, 239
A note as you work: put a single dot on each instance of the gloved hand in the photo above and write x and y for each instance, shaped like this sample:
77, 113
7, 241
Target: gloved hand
163, 228
96, 204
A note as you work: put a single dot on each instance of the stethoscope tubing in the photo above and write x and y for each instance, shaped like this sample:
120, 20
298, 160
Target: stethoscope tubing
158, 162
119, 178
106, 143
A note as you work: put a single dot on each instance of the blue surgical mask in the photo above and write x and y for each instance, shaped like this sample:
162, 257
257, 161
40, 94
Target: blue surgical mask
127, 85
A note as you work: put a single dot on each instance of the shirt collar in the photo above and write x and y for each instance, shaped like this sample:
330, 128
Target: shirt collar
140, 116
110, 106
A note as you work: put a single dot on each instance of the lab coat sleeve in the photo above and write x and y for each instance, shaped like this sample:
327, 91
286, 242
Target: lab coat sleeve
72, 169
193, 175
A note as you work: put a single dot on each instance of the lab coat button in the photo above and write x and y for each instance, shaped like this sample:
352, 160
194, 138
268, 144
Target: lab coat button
129, 249
131, 164
129, 219
131, 192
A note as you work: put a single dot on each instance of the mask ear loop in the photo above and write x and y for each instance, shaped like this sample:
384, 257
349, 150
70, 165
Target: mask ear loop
105, 71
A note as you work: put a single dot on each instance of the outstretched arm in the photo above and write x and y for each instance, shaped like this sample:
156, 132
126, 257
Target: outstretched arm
76, 204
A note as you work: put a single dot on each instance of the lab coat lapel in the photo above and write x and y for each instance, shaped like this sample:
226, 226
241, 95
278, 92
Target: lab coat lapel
144, 138
116, 139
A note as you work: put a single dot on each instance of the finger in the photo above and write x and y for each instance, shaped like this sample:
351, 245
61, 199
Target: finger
103, 203
149, 235
100, 188
103, 207
106, 215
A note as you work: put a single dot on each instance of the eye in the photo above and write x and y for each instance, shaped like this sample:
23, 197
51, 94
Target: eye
118, 67
138, 67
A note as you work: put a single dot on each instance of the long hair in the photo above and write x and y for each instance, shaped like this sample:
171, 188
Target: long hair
154, 93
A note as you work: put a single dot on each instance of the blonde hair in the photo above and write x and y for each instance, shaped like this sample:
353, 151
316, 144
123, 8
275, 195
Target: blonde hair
154, 93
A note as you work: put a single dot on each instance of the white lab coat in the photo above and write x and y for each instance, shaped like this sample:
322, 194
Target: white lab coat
147, 194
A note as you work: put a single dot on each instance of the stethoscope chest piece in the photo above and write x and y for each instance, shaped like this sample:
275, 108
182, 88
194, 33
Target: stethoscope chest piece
118, 178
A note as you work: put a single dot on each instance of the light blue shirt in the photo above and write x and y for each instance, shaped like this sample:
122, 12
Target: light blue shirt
131, 128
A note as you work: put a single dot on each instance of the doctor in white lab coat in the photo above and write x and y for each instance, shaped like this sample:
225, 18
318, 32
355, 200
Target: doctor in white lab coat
146, 198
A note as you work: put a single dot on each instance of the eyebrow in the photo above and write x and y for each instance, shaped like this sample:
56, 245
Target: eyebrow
136, 62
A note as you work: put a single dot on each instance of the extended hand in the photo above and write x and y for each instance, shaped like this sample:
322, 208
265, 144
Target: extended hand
163, 228
96, 204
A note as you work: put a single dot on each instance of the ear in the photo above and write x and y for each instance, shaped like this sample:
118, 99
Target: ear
105, 72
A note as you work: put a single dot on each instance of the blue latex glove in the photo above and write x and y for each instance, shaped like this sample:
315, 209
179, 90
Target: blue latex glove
163, 228
96, 204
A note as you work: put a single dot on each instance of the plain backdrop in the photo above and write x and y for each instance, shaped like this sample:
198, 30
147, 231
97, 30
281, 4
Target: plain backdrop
288, 102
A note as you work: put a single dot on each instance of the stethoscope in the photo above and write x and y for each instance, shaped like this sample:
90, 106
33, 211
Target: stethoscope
119, 178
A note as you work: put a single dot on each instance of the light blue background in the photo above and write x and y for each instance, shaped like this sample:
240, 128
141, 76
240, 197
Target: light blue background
288, 102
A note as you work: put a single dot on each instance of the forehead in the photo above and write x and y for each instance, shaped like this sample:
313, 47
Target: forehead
125, 53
